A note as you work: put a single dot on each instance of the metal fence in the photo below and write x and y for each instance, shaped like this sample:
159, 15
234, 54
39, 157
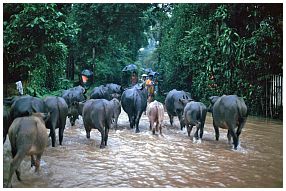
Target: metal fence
274, 97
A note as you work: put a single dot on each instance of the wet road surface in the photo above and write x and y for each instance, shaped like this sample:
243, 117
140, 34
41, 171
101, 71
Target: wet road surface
146, 160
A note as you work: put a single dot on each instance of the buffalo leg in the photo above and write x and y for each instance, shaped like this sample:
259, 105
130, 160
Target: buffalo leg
157, 126
116, 123
189, 129
137, 121
196, 135
201, 131
37, 162
182, 124
239, 128
62, 129
106, 134
53, 136
33, 161
228, 136
102, 145
171, 119
14, 153
234, 136
131, 120
61, 135
14, 166
87, 130
216, 132
72, 120
87, 133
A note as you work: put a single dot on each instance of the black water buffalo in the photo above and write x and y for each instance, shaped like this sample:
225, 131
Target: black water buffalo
75, 94
100, 92
25, 106
174, 106
229, 112
20, 106
195, 115
134, 102
6, 122
28, 136
99, 114
114, 88
74, 111
58, 110
108, 91
72, 97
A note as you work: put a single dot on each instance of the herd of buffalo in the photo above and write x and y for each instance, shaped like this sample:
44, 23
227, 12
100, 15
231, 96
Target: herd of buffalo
27, 118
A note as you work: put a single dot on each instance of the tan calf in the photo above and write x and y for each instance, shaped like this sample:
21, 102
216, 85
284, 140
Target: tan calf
155, 113
28, 136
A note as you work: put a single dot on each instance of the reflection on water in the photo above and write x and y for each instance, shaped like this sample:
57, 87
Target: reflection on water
169, 160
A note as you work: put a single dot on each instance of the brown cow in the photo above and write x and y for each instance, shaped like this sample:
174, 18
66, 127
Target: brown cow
155, 113
28, 136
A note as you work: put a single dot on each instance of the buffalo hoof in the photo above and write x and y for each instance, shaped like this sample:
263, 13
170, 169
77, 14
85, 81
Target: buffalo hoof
137, 131
102, 147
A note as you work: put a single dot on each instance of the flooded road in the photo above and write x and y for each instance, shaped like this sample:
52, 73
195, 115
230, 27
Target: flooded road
146, 160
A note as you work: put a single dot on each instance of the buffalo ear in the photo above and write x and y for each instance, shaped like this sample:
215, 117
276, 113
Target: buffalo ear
213, 99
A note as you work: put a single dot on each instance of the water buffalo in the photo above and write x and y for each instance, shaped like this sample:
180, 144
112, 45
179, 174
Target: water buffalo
99, 114
6, 122
195, 115
155, 113
114, 88
28, 136
117, 111
58, 110
174, 106
74, 111
100, 92
72, 97
75, 94
229, 112
26, 105
108, 91
134, 102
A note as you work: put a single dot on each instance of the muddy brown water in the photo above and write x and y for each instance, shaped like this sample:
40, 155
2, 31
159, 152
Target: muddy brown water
146, 160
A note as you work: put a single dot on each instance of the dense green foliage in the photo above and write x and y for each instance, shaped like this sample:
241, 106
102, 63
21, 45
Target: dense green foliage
206, 49
109, 39
42, 40
214, 49
34, 46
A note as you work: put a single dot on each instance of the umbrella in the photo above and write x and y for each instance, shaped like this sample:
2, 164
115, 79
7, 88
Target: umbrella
87, 72
153, 73
148, 70
130, 67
